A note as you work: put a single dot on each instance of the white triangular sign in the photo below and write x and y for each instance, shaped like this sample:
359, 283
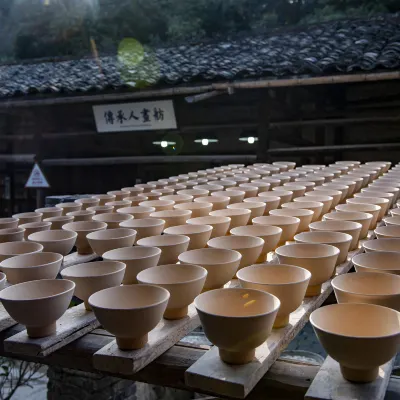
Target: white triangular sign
37, 179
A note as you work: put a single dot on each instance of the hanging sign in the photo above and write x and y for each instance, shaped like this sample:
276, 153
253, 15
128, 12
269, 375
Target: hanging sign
149, 115
36, 179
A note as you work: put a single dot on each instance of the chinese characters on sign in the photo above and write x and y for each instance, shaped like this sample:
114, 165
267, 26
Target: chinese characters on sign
135, 116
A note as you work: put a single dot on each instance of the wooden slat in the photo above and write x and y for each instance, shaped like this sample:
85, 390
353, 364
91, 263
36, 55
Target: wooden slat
75, 323
5, 320
212, 375
329, 384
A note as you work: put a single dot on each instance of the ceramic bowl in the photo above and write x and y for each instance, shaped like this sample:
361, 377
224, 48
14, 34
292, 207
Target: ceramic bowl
257, 209
370, 335
319, 259
308, 185
259, 184
284, 195
194, 193
118, 204
197, 209
220, 225
130, 312
335, 194
30, 267
172, 217
119, 194
7, 223
247, 314
110, 239
137, 212
145, 227
101, 209
365, 208
389, 221
177, 188
178, 198
11, 235
147, 187
382, 245
11, 249
289, 225
32, 227
221, 264
327, 201
238, 216
67, 207
250, 247
250, 190
26, 218
235, 196
379, 201
132, 190
385, 232
376, 193
382, 187
273, 182
344, 189
112, 219
338, 239
351, 184
198, 234
83, 229
48, 212
368, 287
83, 215
271, 203
94, 276
136, 200
218, 202
104, 198
297, 190
158, 205
394, 212
56, 241
38, 304
287, 282
305, 216
362, 218
170, 245
183, 281
86, 203
59, 222
378, 261
136, 260
314, 206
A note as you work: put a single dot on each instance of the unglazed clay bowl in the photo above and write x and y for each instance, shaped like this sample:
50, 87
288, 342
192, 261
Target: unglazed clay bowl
59, 222
297, 190
197, 209
259, 184
368, 287
38, 304
327, 201
68, 207
218, 202
249, 189
284, 195
83, 229
56, 241
365, 208
12, 249
136, 260
305, 216
110, 239
271, 203
178, 198
250, 247
86, 203
30, 267
221, 264
247, 314
382, 187
375, 192
117, 204
145, 227
257, 209
379, 201
172, 217
389, 221
32, 227
314, 206
351, 184
112, 219
199, 235
382, 245
220, 224
360, 337
82, 215
11, 235
8, 223
287, 282
132, 190
147, 187
378, 261
195, 193
319, 259
158, 205
136, 200
289, 225
119, 194
183, 281
26, 218
362, 218
130, 312
235, 196
335, 194
104, 198
338, 239
137, 212
170, 245
308, 185
49, 212
94, 276
238, 216
386, 232
273, 182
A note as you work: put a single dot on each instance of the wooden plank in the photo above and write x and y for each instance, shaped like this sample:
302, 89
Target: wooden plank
75, 258
76, 322
5, 320
329, 384
212, 375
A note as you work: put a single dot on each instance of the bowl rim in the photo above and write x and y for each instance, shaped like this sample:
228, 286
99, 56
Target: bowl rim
127, 234
120, 264
258, 241
183, 239
368, 242
59, 258
73, 233
348, 239
205, 229
156, 253
336, 251
376, 254
233, 252
19, 243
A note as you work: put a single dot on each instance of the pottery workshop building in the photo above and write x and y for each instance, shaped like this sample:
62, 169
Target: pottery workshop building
312, 94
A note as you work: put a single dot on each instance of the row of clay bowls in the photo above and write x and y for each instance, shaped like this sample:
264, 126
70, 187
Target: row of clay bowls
315, 190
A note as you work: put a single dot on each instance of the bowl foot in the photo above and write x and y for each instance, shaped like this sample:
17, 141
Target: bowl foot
262, 258
84, 250
281, 321
237, 357
175, 313
313, 290
359, 375
41, 331
87, 306
132, 343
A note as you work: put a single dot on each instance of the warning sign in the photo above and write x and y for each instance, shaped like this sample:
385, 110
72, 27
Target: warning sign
36, 179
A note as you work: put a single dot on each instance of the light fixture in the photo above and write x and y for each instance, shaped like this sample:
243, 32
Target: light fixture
249, 137
206, 139
164, 143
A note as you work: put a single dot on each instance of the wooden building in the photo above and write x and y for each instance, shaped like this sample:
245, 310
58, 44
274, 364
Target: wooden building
317, 94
